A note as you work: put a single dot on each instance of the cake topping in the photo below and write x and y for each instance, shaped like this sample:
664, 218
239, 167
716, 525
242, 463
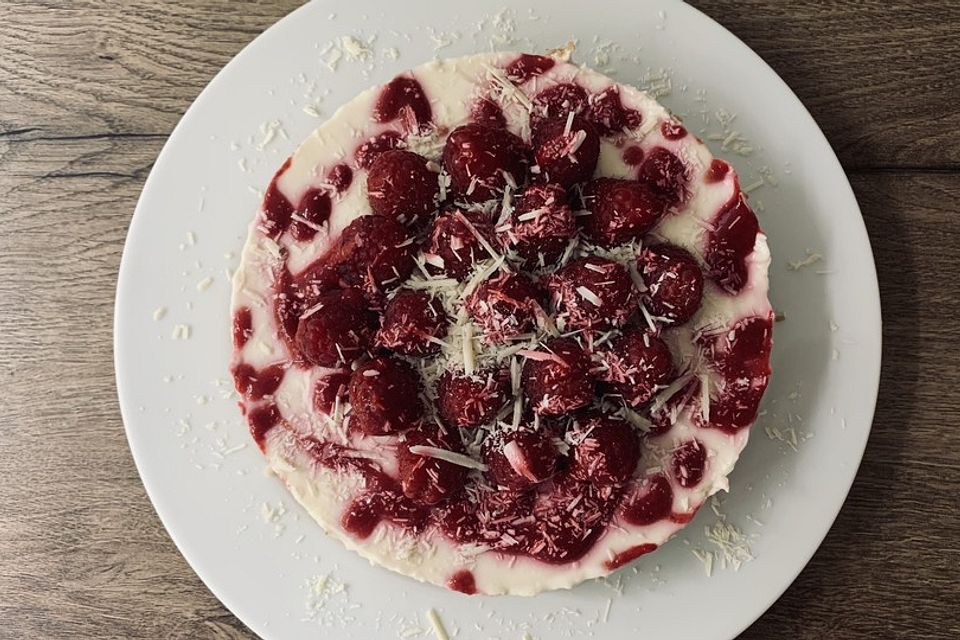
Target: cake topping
403, 98
339, 329
689, 461
621, 211
521, 458
608, 114
673, 281
401, 186
566, 150
637, 365
457, 242
665, 174
592, 293
426, 477
504, 306
540, 226
650, 501
605, 449
556, 379
469, 401
483, 160
413, 324
384, 396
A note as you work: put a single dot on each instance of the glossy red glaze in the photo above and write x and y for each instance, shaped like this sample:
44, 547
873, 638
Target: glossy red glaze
629, 555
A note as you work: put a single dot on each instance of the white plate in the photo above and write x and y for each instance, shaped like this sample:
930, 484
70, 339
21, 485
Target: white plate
250, 543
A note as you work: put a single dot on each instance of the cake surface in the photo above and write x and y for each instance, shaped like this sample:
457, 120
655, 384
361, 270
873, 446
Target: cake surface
502, 324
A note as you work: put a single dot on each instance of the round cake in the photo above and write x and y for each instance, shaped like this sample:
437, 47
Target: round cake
501, 324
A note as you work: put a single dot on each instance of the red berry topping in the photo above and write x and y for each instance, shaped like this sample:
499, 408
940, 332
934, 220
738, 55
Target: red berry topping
426, 479
608, 114
454, 240
338, 330
277, 210
367, 152
651, 501
469, 401
674, 282
689, 461
556, 378
664, 417
488, 112
566, 150
591, 293
541, 226
527, 66
314, 208
482, 160
261, 419
717, 172
521, 458
504, 306
412, 324
401, 186
629, 555
621, 211
729, 244
556, 102
638, 365
242, 327
672, 130
665, 174
384, 396
606, 449
403, 97
340, 177
255, 385
330, 391
463, 581
734, 405
373, 254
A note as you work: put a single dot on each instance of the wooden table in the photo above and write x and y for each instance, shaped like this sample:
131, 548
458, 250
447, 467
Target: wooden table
89, 91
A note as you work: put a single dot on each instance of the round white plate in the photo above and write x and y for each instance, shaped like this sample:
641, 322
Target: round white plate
249, 541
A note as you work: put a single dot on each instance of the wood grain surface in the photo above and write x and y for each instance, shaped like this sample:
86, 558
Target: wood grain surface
89, 90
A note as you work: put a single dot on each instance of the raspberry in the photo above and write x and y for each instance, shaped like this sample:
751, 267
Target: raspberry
330, 390
651, 501
469, 401
528, 66
384, 397
666, 176
621, 211
428, 480
483, 160
541, 226
456, 244
370, 150
521, 458
411, 324
638, 365
403, 97
606, 449
592, 293
556, 102
556, 379
608, 114
674, 282
688, 463
567, 156
504, 306
400, 186
339, 330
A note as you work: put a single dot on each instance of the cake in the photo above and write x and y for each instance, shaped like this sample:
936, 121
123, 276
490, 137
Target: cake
501, 324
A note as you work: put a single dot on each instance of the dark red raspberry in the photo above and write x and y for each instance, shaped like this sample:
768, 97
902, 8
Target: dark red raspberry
403, 97
373, 254
540, 227
674, 282
556, 102
469, 401
454, 241
608, 114
621, 211
689, 461
521, 458
384, 397
412, 324
665, 174
330, 391
425, 479
731, 241
606, 449
504, 306
672, 130
556, 377
482, 160
637, 366
338, 330
569, 517
255, 385
591, 293
401, 186
651, 501
566, 155
371, 149
488, 112
340, 177
528, 66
